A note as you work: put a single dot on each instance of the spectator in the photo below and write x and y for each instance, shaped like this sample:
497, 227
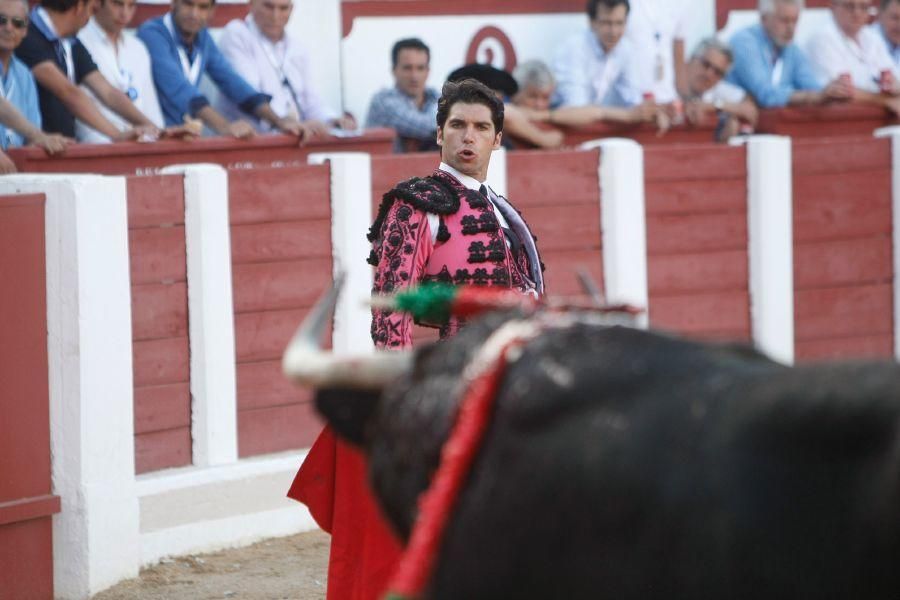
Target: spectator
888, 28
596, 67
707, 93
533, 100
273, 62
123, 60
181, 50
845, 48
60, 63
410, 107
772, 68
20, 117
656, 31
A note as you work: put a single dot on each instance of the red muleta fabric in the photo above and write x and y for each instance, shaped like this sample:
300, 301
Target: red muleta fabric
364, 551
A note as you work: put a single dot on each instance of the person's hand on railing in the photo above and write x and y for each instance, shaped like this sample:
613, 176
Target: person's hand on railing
645, 112
892, 103
241, 130
838, 90
52, 143
663, 121
7, 166
346, 122
138, 133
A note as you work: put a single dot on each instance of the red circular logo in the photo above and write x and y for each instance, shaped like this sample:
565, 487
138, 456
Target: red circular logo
491, 46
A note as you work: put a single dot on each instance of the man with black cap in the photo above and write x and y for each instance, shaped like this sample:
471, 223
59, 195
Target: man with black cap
449, 226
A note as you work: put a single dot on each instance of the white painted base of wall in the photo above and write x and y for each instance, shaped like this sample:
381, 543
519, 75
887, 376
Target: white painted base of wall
194, 510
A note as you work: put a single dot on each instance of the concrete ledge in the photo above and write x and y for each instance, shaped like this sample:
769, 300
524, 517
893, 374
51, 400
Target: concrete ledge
192, 510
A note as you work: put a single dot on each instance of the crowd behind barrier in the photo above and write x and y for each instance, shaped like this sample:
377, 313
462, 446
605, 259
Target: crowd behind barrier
682, 86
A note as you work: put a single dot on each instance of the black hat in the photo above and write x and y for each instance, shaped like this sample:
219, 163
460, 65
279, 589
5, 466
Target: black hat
494, 78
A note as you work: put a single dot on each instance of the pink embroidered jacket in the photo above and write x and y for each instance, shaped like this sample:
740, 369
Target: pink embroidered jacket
470, 248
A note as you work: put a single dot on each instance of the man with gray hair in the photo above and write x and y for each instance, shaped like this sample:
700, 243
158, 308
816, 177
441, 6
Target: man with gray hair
772, 68
707, 93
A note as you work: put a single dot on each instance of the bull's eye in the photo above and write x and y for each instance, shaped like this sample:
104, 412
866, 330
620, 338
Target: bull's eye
404, 213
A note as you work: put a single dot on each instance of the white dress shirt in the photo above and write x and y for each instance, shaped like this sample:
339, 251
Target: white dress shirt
832, 53
723, 92
587, 74
266, 66
127, 68
652, 28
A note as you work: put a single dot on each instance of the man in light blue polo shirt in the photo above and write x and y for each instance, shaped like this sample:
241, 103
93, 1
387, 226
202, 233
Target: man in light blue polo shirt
772, 68
20, 115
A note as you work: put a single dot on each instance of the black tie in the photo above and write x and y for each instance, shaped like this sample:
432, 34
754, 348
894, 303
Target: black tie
511, 239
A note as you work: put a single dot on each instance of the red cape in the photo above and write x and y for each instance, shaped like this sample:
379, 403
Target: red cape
333, 483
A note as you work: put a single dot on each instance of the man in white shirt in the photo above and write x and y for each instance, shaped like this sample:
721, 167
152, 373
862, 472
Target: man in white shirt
596, 67
271, 61
123, 60
845, 48
888, 28
656, 30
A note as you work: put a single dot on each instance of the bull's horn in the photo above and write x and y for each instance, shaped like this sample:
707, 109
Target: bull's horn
306, 363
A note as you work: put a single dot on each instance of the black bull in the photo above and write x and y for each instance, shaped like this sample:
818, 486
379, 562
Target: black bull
627, 464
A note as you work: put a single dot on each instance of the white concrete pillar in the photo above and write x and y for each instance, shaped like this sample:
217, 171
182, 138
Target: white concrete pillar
624, 223
351, 217
496, 175
95, 536
210, 314
894, 134
771, 251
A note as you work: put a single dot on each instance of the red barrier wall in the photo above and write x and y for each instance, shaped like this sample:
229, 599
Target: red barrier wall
26, 502
697, 259
843, 267
162, 397
558, 193
824, 121
281, 261
142, 159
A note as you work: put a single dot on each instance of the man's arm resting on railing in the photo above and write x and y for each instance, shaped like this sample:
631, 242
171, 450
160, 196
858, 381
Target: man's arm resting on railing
74, 99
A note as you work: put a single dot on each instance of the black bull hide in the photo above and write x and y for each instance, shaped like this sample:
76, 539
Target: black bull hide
628, 464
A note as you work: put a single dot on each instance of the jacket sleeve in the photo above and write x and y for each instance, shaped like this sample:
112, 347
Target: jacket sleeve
402, 250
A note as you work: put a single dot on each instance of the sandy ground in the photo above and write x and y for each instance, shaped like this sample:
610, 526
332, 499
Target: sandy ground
291, 568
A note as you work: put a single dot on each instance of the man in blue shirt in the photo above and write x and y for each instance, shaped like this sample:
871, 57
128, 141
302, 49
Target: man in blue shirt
888, 27
410, 106
772, 68
20, 117
181, 51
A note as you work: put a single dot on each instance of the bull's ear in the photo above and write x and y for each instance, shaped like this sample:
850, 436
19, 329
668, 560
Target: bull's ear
349, 412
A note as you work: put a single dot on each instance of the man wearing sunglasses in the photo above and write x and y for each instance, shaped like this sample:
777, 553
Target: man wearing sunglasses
845, 48
707, 94
20, 118
60, 63
772, 68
